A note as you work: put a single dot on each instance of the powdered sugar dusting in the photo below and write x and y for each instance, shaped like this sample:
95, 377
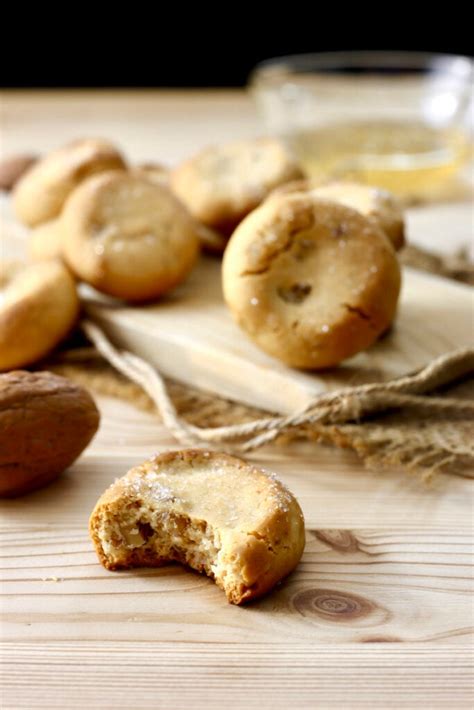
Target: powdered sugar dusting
208, 487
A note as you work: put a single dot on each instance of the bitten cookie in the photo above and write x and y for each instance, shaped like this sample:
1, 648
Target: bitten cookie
222, 184
38, 307
40, 194
311, 282
127, 236
213, 512
379, 205
45, 241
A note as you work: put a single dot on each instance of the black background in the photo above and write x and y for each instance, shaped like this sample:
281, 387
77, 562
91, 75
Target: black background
139, 45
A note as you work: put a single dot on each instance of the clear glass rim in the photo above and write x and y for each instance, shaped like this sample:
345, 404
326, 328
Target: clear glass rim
370, 60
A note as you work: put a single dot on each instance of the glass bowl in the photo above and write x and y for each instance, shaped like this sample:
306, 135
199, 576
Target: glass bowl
394, 119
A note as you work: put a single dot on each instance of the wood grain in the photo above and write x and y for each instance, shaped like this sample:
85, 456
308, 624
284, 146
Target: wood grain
179, 675
351, 587
378, 614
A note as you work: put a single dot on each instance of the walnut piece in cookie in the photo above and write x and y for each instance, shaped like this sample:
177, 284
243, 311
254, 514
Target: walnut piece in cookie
46, 421
311, 282
210, 511
222, 184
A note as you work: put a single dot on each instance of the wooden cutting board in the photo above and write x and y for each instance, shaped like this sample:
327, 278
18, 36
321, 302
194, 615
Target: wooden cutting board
190, 335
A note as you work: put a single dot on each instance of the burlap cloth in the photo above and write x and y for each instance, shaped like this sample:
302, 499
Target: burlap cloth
420, 437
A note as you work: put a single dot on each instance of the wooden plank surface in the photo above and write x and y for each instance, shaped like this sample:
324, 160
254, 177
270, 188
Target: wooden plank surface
379, 613
124, 675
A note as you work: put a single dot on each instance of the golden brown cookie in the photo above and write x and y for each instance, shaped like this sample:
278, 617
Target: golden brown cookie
45, 242
40, 194
38, 308
128, 237
311, 282
373, 202
222, 184
212, 512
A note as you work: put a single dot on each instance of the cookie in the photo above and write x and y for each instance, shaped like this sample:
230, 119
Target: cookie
41, 193
38, 307
127, 236
222, 184
311, 282
215, 513
45, 242
377, 204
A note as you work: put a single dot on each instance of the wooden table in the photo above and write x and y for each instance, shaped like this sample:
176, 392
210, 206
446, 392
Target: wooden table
379, 612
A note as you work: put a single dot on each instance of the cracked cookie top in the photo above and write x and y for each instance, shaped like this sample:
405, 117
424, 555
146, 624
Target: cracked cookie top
312, 282
381, 206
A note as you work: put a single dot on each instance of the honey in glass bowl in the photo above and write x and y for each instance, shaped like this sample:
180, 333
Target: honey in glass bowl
395, 120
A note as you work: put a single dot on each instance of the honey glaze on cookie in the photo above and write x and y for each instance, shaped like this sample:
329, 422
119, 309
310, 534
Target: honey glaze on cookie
212, 512
312, 282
